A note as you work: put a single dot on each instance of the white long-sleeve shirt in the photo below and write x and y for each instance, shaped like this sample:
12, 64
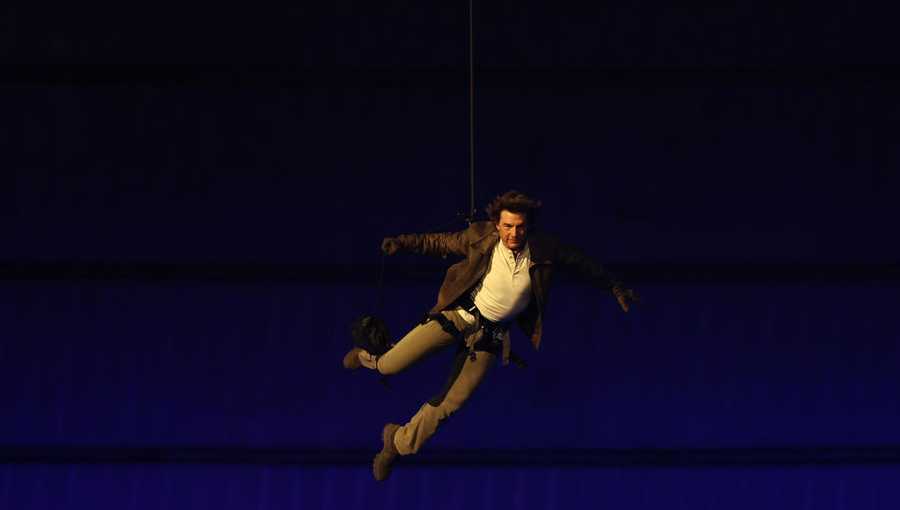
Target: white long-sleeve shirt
505, 289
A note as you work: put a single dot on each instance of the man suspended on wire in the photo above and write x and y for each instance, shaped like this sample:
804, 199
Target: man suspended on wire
505, 276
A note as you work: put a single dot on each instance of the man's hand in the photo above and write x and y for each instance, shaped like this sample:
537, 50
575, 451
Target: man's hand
625, 297
390, 246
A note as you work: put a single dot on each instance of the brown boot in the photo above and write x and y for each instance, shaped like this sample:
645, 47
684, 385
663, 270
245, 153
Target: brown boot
381, 466
351, 359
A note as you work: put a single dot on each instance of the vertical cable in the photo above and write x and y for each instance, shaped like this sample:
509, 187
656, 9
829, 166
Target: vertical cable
379, 285
471, 215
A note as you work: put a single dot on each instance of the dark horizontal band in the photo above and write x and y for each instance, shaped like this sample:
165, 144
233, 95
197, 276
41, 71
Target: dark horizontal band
366, 274
582, 457
439, 77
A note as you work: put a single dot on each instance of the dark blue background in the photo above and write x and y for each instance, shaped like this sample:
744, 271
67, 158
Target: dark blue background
192, 202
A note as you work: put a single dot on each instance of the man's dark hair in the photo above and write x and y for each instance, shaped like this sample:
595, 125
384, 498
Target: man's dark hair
514, 202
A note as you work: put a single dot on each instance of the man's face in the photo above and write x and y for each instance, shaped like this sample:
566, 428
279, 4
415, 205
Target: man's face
513, 230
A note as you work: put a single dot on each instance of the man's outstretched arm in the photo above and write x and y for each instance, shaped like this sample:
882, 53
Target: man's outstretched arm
597, 275
442, 244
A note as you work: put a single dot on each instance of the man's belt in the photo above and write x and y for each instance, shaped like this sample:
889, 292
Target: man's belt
496, 333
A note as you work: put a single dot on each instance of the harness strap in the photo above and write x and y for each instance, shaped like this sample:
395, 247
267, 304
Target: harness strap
494, 335
446, 324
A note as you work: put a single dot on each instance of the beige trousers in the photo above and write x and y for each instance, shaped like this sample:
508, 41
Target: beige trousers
422, 340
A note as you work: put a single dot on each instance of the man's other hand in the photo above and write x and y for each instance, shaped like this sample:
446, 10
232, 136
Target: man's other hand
625, 297
390, 246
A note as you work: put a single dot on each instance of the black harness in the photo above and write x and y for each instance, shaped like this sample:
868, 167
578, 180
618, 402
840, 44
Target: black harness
494, 332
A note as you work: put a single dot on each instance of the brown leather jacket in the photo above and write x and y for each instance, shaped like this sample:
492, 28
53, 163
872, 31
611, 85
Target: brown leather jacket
475, 244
